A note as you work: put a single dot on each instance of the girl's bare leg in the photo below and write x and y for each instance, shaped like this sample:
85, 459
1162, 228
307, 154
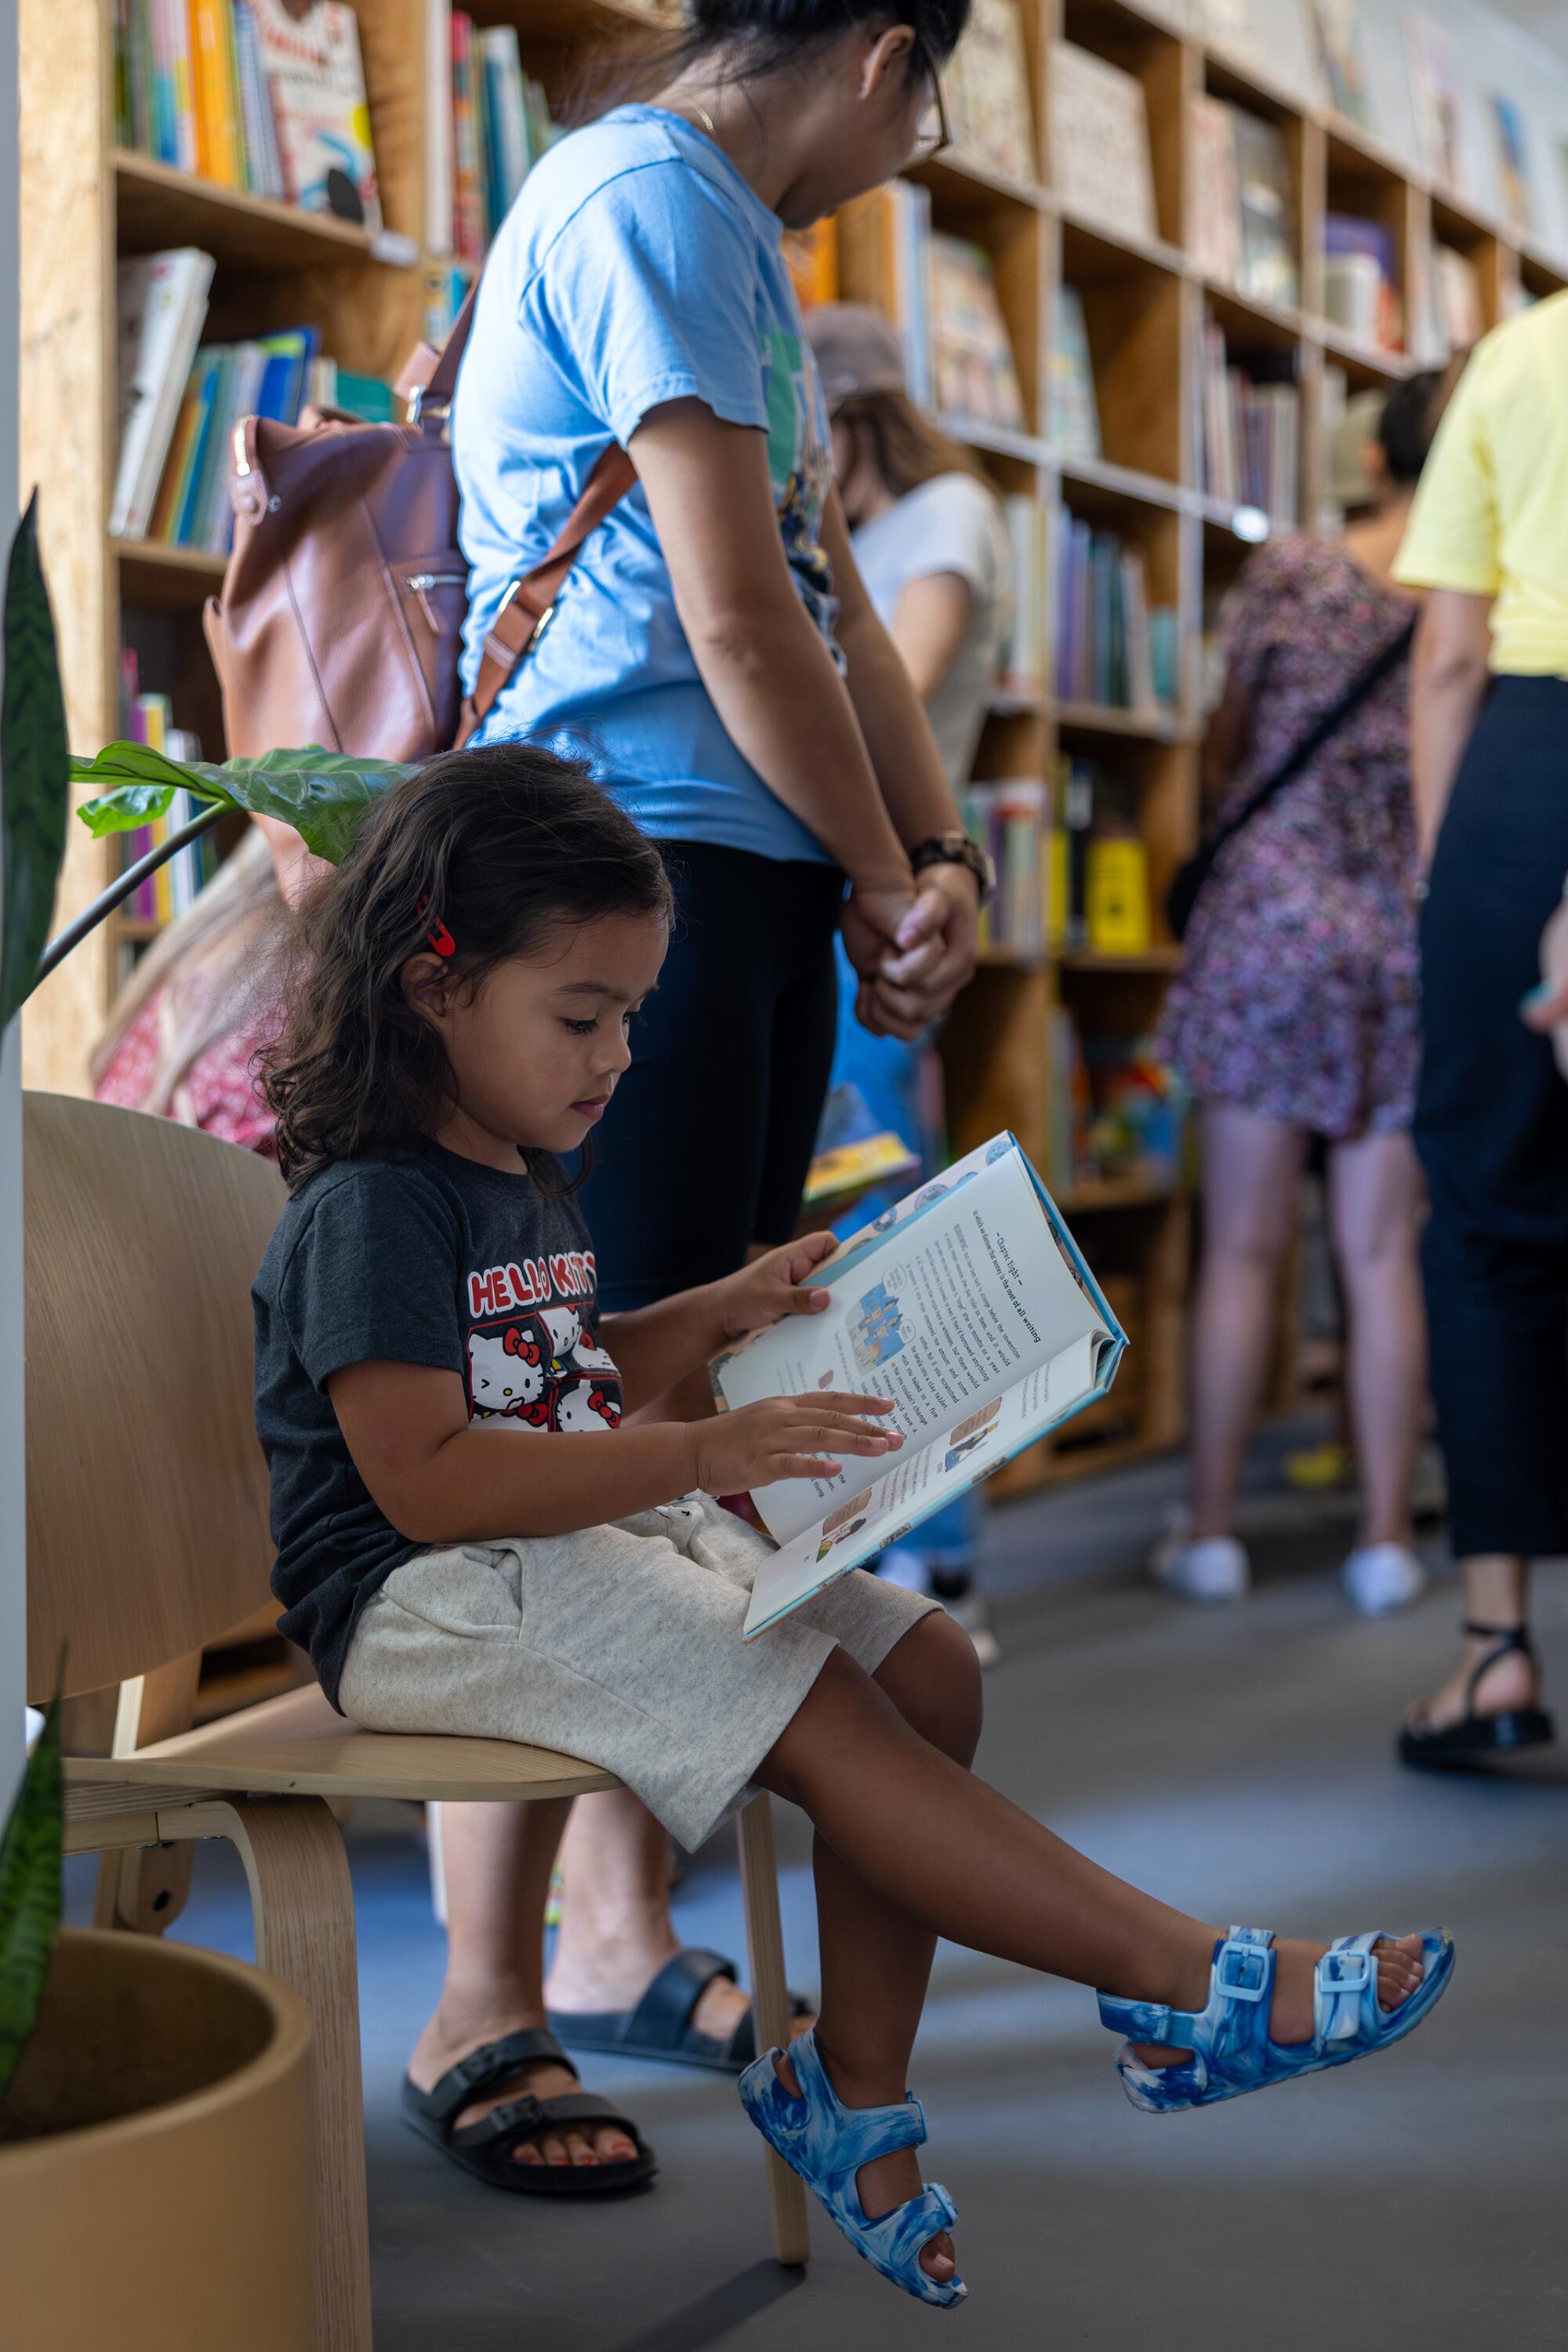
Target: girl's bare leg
958, 1859
1375, 1193
1251, 1171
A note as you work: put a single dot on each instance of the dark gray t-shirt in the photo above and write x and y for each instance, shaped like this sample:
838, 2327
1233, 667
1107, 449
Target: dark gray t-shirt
434, 1261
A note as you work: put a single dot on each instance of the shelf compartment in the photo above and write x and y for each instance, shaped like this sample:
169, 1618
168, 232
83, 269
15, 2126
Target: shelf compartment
158, 206
178, 578
1151, 54
1134, 321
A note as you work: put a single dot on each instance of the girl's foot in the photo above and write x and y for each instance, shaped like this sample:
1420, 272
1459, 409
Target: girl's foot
1400, 1970
449, 2037
887, 2180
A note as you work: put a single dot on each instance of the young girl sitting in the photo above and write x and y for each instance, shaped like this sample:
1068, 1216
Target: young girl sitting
478, 1534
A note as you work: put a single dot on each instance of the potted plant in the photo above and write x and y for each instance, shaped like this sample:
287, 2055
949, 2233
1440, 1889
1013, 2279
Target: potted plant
155, 2121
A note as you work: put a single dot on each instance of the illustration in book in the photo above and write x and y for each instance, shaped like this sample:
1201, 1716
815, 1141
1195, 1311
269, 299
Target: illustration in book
970, 1306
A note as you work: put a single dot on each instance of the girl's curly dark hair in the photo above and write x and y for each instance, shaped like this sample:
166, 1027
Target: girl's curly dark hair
494, 847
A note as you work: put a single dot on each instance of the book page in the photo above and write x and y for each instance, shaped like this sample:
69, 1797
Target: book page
951, 1304
871, 1517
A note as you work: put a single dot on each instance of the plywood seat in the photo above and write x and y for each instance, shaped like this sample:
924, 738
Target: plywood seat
298, 1746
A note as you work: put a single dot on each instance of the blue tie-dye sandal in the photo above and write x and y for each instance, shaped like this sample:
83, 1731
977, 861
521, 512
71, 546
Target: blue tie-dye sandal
827, 2142
1229, 2037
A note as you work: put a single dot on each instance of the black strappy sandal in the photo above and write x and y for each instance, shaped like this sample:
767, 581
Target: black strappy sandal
661, 2025
487, 2148
1475, 1737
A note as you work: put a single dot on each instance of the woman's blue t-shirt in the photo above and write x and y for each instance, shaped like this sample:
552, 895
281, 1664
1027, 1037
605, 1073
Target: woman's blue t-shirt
636, 267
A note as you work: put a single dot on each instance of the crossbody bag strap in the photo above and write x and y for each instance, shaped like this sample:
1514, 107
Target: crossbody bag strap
1332, 720
531, 599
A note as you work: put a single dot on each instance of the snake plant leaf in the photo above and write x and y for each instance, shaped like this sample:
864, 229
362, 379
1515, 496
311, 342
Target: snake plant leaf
322, 795
35, 797
30, 1891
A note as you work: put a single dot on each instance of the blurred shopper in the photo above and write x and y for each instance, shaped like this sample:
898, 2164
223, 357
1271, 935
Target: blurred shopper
202, 1001
1489, 542
1295, 1013
928, 534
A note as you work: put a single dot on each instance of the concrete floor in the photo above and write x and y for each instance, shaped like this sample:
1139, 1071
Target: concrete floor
1237, 1763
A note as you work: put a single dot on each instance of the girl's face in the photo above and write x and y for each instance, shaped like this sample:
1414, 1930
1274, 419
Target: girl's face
537, 1049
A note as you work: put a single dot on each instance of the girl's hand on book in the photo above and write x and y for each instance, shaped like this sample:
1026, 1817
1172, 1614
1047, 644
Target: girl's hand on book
788, 1437
771, 1286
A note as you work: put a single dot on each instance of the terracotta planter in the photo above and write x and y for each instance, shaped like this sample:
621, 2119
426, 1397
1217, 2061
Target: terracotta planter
155, 2149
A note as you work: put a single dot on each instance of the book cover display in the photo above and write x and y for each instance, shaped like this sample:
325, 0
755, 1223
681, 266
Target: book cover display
968, 1304
976, 379
1073, 425
311, 59
1434, 98
1510, 156
1342, 58
1101, 165
986, 85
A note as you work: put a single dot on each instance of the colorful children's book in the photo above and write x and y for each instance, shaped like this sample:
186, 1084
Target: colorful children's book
1073, 423
976, 376
970, 1305
1510, 154
838, 1174
163, 302
322, 122
1435, 95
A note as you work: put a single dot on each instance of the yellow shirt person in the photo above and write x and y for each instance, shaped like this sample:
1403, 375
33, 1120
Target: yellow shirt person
1491, 517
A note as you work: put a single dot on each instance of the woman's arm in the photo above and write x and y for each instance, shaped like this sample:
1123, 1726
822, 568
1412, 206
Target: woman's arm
931, 621
913, 989
1448, 675
771, 677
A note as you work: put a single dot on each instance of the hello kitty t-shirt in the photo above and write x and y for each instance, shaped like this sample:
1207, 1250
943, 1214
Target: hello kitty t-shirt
434, 1261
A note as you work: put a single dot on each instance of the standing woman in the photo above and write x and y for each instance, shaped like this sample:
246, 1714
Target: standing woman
1295, 1014
1489, 542
715, 656
931, 547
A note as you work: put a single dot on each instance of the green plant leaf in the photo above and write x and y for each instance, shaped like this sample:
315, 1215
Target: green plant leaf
124, 810
35, 795
322, 795
30, 1891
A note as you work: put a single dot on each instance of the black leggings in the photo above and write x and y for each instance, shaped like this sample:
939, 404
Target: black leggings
1491, 1128
705, 1147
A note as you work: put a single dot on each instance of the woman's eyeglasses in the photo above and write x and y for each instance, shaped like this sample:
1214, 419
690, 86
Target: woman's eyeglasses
934, 131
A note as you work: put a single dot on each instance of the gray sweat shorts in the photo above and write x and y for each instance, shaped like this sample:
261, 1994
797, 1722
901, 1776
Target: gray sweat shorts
620, 1644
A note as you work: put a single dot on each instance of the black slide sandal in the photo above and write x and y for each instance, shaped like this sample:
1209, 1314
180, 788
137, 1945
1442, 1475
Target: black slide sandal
1476, 1736
661, 2025
486, 2149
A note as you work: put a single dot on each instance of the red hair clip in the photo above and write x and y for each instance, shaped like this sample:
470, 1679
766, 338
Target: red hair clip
439, 937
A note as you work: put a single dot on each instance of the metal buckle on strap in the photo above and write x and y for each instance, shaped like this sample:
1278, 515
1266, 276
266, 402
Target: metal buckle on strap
1347, 1972
1241, 1971
540, 626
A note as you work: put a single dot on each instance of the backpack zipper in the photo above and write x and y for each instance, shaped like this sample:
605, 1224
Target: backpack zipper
419, 583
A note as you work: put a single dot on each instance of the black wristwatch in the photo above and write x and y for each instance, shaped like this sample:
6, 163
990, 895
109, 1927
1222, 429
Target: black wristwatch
955, 849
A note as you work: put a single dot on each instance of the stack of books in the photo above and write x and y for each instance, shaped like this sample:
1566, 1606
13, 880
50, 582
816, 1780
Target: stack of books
1111, 649
1361, 281
1250, 440
1242, 210
501, 127
251, 94
1011, 822
149, 718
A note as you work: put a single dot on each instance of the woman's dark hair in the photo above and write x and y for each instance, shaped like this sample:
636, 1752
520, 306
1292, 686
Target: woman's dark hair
491, 849
759, 35
1409, 422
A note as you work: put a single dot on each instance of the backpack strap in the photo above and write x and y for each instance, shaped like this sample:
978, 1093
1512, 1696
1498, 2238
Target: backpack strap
530, 601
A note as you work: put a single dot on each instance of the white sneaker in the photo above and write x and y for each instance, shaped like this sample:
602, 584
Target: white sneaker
1214, 1568
973, 1612
1381, 1577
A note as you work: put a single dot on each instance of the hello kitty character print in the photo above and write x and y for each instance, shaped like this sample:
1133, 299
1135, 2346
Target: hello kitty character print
534, 1356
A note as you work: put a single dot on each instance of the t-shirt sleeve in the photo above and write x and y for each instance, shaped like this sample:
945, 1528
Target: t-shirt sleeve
953, 527
1452, 538
372, 1278
650, 294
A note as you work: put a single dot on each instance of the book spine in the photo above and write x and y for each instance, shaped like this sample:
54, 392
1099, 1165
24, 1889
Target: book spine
438, 163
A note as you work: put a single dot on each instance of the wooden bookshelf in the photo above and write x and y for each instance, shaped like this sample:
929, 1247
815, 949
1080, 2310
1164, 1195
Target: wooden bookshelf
85, 201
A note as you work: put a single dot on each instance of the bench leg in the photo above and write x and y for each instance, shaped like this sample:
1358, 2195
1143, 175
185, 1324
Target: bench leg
770, 2007
303, 1905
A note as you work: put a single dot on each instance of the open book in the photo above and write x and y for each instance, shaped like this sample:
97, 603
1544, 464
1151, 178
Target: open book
970, 1306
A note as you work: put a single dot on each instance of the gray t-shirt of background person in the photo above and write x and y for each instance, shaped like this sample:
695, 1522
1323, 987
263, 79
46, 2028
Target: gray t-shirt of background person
948, 524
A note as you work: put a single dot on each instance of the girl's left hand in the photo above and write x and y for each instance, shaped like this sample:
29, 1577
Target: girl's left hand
772, 1286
